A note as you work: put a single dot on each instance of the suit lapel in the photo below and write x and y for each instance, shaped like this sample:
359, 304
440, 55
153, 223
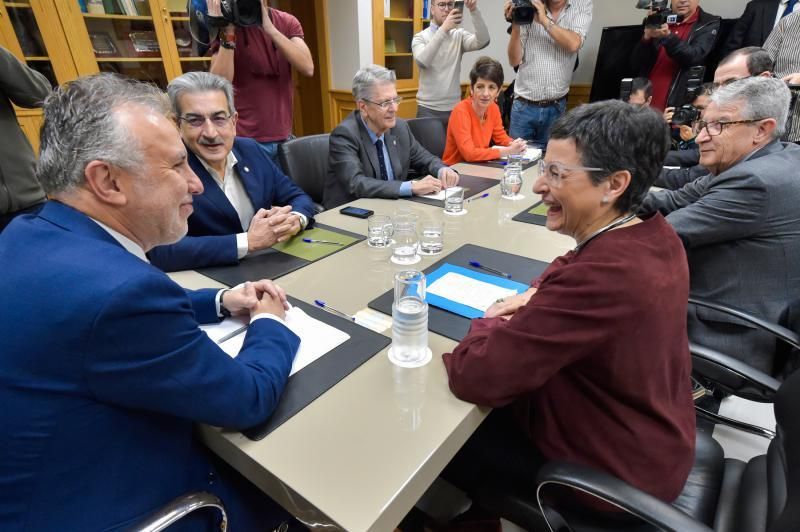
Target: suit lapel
394, 154
369, 147
73, 220
252, 184
768, 23
212, 193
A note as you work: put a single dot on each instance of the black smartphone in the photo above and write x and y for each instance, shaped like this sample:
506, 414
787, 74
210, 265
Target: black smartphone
355, 211
459, 5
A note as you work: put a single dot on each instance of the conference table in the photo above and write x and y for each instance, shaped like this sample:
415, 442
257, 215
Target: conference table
361, 455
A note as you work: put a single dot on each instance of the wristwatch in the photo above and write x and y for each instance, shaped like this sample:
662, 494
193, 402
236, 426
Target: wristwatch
227, 40
225, 313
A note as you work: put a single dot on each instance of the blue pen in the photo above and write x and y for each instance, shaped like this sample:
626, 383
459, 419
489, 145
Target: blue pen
313, 241
484, 195
477, 264
321, 304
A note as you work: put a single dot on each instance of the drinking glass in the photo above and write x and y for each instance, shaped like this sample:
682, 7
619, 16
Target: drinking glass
409, 321
379, 231
431, 241
454, 201
511, 182
405, 244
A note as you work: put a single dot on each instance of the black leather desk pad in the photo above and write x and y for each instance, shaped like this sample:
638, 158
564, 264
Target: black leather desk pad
270, 264
473, 183
318, 377
453, 326
530, 216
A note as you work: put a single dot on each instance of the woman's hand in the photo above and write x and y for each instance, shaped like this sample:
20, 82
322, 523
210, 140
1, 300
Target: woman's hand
507, 306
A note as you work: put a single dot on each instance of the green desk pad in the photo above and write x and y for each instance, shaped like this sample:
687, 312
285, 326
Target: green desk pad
312, 251
535, 214
285, 257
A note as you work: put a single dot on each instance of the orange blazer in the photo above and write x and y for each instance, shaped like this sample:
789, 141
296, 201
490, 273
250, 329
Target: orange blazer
468, 139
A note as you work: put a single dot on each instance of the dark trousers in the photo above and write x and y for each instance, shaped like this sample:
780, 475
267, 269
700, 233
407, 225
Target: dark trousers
5, 219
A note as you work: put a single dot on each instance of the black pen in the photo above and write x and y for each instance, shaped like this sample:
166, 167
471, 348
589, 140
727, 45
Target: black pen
477, 264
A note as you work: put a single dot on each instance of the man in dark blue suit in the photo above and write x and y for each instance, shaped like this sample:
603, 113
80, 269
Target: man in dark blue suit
103, 369
238, 213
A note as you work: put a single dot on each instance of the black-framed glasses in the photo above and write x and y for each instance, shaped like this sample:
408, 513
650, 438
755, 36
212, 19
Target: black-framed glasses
196, 121
446, 5
555, 172
386, 104
715, 127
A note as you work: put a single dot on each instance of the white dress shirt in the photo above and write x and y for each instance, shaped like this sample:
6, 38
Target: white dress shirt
782, 7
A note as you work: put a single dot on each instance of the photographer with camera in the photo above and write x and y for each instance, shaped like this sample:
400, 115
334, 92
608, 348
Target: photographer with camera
783, 46
672, 43
544, 44
438, 50
257, 52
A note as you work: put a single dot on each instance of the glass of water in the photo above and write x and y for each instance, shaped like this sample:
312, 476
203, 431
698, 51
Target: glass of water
409, 321
511, 182
454, 201
431, 241
379, 231
405, 245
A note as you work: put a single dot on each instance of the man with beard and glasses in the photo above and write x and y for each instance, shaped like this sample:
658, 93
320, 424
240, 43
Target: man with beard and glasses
249, 204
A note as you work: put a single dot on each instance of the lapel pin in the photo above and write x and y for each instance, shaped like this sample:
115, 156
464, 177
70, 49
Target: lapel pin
246, 169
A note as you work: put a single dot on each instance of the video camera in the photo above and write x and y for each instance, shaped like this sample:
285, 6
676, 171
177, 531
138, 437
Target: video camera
687, 114
236, 12
522, 12
661, 13
625, 89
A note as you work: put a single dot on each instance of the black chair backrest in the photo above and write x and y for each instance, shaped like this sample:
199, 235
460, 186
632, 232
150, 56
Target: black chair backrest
786, 448
430, 133
305, 160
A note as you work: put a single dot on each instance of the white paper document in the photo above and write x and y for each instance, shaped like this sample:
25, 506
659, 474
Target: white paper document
437, 196
316, 337
468, 291
532, 154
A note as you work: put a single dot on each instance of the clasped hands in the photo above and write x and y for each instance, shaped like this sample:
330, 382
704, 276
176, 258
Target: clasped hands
268, 227
256, 297
517, 147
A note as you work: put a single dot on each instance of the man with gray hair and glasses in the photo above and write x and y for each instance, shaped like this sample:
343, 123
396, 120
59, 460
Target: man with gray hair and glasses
249, 204
104, 370
372, 151
740, 223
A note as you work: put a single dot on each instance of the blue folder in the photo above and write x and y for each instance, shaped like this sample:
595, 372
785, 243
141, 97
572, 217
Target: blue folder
458, 308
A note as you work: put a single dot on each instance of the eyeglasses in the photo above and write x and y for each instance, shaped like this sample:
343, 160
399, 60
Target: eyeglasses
715, 128
446, 5
388, 103
219, 120
555, 172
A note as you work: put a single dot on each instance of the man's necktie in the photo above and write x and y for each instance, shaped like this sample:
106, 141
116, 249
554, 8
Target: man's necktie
381, 160
789, 8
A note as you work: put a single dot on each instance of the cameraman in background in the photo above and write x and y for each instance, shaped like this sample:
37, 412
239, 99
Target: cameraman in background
544, 44
258, 59
684, 151
673, 42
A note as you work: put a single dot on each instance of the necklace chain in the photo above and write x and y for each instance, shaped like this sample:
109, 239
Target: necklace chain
616, 223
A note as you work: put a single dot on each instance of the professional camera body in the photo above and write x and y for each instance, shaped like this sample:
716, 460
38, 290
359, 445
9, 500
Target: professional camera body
522, 12
661, 13
687, 114
236, 12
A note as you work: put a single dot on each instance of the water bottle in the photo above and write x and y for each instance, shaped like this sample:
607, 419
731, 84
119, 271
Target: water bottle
409, 321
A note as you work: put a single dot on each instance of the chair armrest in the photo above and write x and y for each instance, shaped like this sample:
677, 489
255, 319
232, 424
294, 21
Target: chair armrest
617, 492
733, 375
181, 507
780, 332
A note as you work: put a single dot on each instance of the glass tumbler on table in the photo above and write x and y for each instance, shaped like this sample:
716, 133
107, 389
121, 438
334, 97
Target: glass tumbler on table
511, 182
454, 201
409, 321
405, 244
379, 231
431, 241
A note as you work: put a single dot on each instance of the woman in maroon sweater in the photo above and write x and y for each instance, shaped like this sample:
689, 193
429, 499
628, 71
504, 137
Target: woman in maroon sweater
593, 359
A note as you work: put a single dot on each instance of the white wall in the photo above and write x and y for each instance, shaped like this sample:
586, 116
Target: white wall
350, 30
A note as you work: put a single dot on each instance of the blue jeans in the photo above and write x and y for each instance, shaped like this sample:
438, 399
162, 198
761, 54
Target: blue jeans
532, 122
271, 149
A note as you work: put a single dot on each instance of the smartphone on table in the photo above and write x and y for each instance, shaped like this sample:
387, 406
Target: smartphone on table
356, 212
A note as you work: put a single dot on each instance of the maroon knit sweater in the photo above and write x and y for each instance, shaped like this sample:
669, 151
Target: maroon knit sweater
598, 359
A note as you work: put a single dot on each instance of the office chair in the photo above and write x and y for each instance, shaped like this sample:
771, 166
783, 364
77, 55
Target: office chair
430, 133
180, 508
305, 160
725, 495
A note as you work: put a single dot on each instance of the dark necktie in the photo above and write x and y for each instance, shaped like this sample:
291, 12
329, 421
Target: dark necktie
381, 160
789, 8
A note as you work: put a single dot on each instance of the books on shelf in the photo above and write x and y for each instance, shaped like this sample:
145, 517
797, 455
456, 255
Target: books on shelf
94, 7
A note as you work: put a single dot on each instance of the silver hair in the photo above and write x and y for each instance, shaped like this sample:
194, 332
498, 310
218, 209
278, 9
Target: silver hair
80, 125
369, 76
757, 97
199, 82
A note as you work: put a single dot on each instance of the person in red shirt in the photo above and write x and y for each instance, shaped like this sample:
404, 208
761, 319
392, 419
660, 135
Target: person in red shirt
591, 365
666, 53
475, 122
258, 60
